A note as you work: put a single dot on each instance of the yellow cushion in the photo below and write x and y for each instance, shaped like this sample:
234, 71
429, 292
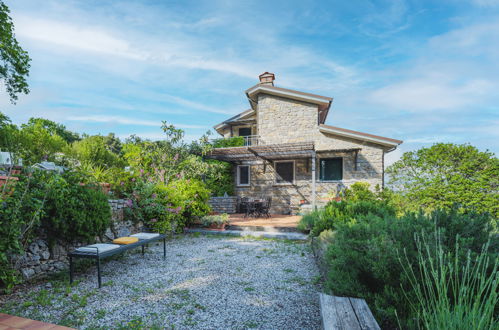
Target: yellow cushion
125, 240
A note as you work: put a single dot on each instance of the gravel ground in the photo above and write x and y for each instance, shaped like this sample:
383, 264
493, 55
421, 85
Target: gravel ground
206, 282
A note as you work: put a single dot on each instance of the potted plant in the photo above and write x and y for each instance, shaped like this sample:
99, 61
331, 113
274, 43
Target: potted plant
217, 221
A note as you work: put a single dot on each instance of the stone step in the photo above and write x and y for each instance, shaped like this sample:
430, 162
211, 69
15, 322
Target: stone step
270, 229
244, 233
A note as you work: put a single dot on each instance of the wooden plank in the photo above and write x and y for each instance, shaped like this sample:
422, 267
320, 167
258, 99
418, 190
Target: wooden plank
328, 312
364, 315
346, 314
337, 313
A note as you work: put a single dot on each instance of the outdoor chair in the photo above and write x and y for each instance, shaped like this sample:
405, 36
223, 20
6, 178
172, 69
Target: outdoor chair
265, 208
251, 208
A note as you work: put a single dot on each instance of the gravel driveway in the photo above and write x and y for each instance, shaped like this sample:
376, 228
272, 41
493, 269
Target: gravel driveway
206, 282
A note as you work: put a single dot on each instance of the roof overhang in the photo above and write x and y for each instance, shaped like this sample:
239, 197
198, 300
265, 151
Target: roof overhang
235, 119
389, 143
289, 93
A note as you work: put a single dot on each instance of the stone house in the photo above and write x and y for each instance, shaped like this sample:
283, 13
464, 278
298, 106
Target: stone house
291, 155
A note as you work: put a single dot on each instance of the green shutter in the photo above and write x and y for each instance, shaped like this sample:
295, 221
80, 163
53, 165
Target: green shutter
331, 169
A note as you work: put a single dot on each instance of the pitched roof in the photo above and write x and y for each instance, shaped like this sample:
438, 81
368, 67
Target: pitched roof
235, 118
287, 92
359, 135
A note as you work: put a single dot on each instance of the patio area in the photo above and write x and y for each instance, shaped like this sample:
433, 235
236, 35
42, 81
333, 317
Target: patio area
276, 220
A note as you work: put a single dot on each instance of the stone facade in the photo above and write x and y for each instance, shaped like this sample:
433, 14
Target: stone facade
281, 120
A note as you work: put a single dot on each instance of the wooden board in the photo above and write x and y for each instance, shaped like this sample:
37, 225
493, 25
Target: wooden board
364, 315
344, 313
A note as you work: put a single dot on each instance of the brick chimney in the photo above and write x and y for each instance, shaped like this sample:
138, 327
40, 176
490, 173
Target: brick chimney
267, 78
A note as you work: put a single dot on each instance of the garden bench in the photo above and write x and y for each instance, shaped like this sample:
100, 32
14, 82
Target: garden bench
104, 250
344, 313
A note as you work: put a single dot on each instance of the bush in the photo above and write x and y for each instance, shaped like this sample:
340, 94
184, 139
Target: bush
236, 141
216, 219
363, 258
75, 212
169, 207
357, 201
21, 206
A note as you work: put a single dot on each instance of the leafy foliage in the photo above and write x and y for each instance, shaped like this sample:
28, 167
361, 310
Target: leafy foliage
14, 61
236, 141
215, 219
168, 207
21, 207
358, 201
75, 212
447, 174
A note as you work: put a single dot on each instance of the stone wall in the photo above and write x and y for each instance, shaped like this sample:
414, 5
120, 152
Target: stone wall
41, 259
223, 204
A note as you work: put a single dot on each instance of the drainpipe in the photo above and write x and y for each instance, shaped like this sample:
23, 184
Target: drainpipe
313, 180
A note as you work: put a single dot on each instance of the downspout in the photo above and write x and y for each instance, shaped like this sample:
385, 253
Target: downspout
313, 179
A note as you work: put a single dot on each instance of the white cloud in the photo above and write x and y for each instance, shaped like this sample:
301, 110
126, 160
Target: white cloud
125, 121
431, 93
486, 3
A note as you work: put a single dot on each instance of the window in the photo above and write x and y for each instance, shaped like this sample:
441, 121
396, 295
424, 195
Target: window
331, 169
285, 172
245, 131
243, 175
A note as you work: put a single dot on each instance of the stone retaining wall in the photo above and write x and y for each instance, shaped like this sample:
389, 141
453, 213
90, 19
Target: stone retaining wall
41, 259
224, 204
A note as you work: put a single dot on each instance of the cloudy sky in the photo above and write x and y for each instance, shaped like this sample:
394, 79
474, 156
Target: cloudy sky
419, 71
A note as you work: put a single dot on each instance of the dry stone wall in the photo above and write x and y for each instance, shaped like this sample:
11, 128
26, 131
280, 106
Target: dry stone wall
41, 259
223, 204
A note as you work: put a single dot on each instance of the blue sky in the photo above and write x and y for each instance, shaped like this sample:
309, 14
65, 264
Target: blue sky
420, 71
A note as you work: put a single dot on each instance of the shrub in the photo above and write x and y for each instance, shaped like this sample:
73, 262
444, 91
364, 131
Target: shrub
216, 219
20, 213
363, 258
452, 292
236, 141
357, 201
75, 212
169, 207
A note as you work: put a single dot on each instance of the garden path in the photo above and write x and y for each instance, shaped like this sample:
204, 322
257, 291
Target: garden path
206, 282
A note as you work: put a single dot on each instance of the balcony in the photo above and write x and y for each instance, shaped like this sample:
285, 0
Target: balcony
237, 141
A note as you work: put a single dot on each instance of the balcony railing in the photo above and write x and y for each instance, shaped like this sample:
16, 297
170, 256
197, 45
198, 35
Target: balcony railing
237, 141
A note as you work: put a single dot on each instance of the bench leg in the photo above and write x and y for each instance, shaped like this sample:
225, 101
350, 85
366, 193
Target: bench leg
71, 270
98, 273
164, 248
142, 249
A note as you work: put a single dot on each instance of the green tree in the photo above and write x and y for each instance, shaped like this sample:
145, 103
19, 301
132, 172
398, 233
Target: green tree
95, 150
445, 174
35, 143
54, 128
14, 61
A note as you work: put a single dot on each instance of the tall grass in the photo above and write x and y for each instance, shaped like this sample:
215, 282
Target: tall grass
453, 292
